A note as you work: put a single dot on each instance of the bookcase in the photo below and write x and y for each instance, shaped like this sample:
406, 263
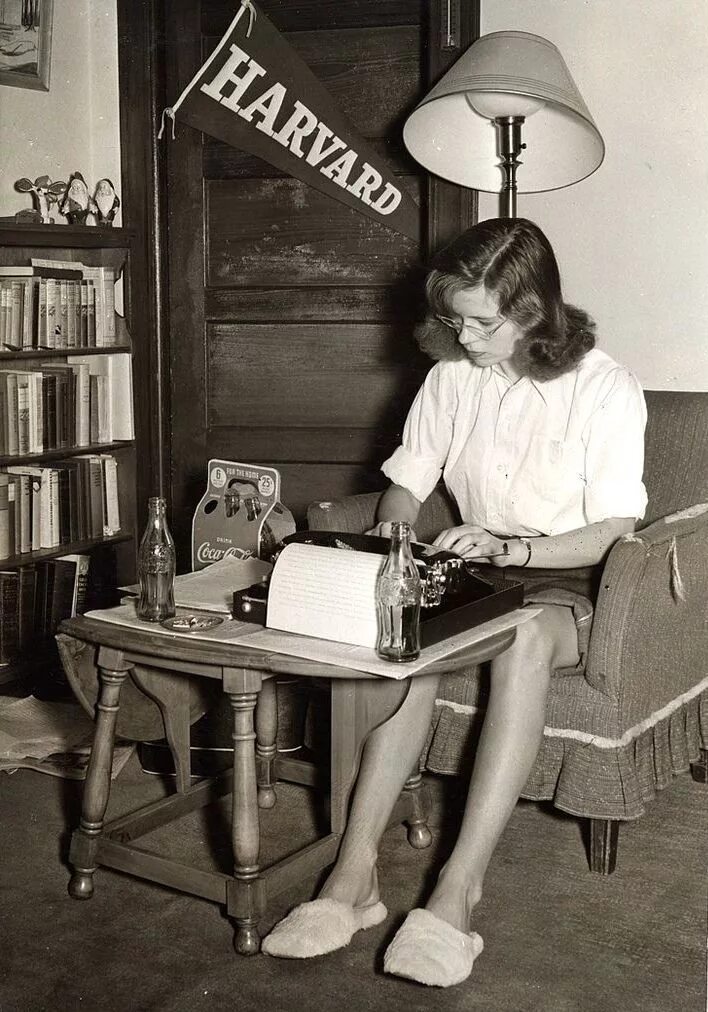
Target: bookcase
67, 443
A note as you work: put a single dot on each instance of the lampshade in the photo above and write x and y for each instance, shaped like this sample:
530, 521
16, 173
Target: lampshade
505, 74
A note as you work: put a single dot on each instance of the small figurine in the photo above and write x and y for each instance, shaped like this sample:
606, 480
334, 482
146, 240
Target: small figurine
77, 203
106, 203
45, 193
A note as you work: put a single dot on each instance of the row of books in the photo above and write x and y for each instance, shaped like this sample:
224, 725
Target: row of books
45, 507
84, 401
57, 304
36, 598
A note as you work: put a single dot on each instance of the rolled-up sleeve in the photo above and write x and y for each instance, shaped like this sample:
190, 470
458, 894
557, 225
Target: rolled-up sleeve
418, 462
614, 456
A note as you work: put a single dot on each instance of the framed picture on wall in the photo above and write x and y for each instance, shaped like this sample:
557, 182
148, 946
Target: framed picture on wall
25, 43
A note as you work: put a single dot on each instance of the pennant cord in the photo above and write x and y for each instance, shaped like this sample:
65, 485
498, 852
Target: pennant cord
172, 109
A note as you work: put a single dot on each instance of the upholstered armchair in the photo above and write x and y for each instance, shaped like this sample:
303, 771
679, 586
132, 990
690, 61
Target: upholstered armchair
638, 715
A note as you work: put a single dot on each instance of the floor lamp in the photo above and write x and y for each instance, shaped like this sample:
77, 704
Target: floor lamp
468, 129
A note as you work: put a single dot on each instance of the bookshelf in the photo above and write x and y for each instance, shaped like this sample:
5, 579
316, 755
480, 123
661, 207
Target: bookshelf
67, 444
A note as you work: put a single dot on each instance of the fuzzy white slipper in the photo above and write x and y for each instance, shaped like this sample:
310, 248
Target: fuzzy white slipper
320, 926
431, 951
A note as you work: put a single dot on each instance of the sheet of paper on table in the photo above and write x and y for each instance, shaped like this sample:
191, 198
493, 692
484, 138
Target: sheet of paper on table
211, 589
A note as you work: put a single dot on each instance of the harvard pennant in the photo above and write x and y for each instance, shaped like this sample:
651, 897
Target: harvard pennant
255, 93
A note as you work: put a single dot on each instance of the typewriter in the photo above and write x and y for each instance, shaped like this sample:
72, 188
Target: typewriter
458, 594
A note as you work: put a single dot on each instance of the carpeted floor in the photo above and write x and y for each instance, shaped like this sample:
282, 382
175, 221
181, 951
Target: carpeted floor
557, 938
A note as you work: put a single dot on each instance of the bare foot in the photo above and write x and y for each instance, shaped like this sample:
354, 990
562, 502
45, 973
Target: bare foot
357, 885
453, 900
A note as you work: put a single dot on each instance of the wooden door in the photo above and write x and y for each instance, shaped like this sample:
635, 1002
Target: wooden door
290, 315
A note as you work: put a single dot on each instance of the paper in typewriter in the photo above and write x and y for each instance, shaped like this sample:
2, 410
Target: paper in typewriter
328, 593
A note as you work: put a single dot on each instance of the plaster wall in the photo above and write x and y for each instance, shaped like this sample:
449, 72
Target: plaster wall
75, 125
632, 239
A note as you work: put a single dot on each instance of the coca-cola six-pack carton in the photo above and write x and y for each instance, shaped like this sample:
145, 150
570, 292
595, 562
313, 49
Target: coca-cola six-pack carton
240, 514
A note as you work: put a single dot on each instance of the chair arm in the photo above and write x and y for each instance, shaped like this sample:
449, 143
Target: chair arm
649, 641
352, 513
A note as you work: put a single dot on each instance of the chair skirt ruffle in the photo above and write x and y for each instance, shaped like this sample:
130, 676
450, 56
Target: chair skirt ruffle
604, 778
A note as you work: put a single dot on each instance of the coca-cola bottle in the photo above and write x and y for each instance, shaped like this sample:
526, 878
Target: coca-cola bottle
156, 566
398, 597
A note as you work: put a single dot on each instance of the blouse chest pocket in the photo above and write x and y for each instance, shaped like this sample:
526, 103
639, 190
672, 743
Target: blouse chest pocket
555, 468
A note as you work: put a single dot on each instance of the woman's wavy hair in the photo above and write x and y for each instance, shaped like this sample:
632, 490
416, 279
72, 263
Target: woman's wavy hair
514, 261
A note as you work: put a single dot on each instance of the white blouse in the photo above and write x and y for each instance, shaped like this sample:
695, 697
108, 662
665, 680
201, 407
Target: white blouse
529, 457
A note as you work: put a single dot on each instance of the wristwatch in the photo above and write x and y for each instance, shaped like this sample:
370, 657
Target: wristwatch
527, 544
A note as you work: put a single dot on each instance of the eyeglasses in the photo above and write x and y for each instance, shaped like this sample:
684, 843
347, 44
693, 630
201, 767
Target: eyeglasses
485, 332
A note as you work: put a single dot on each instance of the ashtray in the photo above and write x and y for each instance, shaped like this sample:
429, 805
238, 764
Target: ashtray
191, 623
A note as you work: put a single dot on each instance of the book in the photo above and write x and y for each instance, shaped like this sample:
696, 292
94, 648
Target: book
29, 313
12, 517
51, 476
4, 298
109, 298
6, 549
64, 511
9, 386
49, 408
91, 313
42, 337
23, 513
83, 403
63, 318
94, 493
9, 615
111, 519
83, 315
27, 590
23, 413
61, 598
72, 571
53, 313
73, 323
12, 308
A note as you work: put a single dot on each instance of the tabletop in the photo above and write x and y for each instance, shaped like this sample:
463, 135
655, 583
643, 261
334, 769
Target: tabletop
206, 656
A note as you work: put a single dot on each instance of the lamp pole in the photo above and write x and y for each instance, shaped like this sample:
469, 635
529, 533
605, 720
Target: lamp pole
510, 147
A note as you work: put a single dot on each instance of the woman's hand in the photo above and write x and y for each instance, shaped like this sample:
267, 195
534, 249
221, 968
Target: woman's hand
473, 542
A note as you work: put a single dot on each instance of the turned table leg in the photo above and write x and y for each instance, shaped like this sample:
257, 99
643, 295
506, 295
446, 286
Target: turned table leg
112, 670
245, 894
266, 748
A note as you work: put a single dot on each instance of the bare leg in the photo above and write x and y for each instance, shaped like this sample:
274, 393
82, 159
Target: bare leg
508, 745
388, 758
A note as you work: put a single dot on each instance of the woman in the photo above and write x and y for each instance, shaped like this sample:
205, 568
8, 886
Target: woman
538, 436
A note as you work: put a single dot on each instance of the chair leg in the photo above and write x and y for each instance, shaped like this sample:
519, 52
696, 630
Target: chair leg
604, 834
419, 836
699, 769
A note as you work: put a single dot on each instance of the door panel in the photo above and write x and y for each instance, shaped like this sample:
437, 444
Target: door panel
266, 230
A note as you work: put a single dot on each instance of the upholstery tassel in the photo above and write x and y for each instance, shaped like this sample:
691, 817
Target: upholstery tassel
678, 591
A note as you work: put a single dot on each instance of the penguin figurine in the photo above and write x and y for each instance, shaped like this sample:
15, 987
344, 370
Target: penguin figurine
106, 202
77, 204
